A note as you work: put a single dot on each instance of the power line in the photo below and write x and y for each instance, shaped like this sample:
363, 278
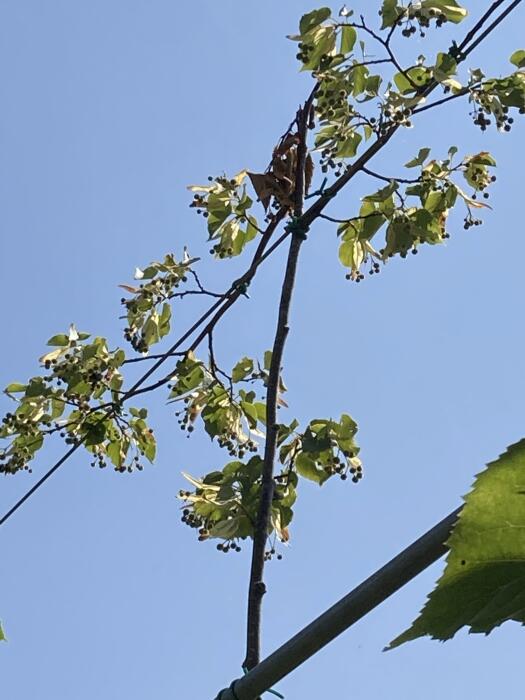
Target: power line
39, 483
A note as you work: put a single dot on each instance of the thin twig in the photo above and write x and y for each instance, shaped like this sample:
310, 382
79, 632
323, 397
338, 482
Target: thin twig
215, 369
460, 93
350, 219
146, 358
404, 181
385, 43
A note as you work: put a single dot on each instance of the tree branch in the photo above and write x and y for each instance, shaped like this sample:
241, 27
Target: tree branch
257, 587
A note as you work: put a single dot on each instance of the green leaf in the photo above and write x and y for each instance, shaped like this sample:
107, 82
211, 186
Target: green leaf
96, 433
419, 159
251, 228
2, 635
307, 467
251, 413
348, 38
60, 340
382, 194
412, 79
15, 388
484, 580
242, 369
483, 158
323, 42
348, 146
267, 360
450, 8
390, 11
453, 84
313, 19
164, 320
113, 450
57, 407
518, 58
372, 223
359, 77
351, 254
261, 411
435, 201
36, 387
151, 330
149, 446
445, 67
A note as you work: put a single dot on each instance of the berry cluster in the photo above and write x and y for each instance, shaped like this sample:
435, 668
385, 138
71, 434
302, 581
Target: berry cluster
355, 276
72, 369
305, 54
399, 116
480, 179
227, 197
331, 99
469, 221
358, 276
422, 17
481, 115
20, 454
235, 448
269, 554
357, 473
102, 462
375, 269
342, 467
228, 546
193, 520
148, 296
204, 527
235, 443
328, 161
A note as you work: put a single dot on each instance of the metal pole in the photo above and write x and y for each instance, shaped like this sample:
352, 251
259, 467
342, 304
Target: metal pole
355, 605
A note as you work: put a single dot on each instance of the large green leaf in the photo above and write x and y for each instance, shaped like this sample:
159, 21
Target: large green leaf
313, 19
348, 38
390, 11
484, 581
449, 8
518, 58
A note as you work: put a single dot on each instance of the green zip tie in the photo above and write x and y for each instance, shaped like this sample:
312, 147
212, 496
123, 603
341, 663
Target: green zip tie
270, 690
242, 287
297, 227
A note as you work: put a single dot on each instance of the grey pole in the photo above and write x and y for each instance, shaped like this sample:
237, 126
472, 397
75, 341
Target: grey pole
355, 605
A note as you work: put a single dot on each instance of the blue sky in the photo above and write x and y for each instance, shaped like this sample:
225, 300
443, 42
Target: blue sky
109, 109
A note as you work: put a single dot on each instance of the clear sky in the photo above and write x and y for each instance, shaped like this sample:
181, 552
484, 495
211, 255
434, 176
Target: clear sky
109, 109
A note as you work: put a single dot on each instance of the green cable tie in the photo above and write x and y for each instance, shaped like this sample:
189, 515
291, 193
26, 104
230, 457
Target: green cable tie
270, 690
297, 227
242, 287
